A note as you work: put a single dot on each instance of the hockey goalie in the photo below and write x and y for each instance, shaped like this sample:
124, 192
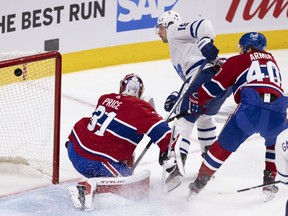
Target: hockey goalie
101, 147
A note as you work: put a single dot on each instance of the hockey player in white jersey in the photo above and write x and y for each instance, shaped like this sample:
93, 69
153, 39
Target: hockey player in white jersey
281, 159
281, 156
191, 45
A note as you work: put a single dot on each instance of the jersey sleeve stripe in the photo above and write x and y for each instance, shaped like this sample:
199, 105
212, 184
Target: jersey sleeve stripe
159, 131
124, 131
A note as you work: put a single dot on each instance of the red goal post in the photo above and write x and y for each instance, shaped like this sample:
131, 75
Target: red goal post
30, 94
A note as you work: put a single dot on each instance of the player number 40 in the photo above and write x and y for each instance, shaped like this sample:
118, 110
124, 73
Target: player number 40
257, 72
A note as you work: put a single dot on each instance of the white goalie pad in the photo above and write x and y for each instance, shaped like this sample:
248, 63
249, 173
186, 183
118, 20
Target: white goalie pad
175, 159
177, 155
132, 187
75, 197
135, 187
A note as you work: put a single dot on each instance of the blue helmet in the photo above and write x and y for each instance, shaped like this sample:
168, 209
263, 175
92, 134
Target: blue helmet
254, 40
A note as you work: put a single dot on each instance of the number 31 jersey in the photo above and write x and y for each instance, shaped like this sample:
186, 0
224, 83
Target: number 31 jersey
117, 125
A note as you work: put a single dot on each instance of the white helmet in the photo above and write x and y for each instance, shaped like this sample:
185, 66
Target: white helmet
132, 85
168, 18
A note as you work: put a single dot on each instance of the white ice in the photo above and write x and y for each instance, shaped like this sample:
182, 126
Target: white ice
23, 194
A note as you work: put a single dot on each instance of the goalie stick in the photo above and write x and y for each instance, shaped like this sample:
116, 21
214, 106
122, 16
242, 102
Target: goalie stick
150, 142
169, 115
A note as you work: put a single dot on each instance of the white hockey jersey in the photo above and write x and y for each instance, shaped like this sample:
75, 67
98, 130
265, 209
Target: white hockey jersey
281, 160
184, 53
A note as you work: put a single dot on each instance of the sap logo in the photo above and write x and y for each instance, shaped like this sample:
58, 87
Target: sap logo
140, 14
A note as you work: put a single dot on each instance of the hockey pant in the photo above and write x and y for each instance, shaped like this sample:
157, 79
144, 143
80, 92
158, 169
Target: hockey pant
94, 168
251, 116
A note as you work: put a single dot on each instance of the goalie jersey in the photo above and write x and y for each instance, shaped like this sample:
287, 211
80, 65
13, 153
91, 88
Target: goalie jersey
117, 125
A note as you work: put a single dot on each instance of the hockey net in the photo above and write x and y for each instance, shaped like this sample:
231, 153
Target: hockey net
30, 94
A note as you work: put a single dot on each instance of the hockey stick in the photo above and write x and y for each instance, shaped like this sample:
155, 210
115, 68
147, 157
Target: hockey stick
165, 165
169, 115
141, 155
150, 142
250, 188
258, 186
178, 116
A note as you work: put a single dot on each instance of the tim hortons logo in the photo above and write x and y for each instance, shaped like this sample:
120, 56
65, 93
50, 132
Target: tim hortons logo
262, 9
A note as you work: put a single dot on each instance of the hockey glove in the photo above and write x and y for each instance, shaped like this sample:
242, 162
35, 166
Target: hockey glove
219, 62
195, 109
208, 49
170, 101
163, 156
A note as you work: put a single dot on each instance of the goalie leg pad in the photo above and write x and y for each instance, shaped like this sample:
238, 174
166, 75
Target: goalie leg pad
174, 179
134, 187
82, 195
179, 157
176, 172
74, 195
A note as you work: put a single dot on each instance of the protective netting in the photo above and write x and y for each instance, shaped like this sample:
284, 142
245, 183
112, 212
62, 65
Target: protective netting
27, 95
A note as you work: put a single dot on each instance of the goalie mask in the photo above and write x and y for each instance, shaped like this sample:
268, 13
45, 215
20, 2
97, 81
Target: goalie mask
168, 18
132, 85
254, 40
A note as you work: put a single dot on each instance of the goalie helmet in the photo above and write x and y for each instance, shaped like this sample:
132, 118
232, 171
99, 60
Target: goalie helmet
254, 40
132, 85
168, 18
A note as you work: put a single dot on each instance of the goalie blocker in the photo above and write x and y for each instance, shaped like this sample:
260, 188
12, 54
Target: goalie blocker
134, 187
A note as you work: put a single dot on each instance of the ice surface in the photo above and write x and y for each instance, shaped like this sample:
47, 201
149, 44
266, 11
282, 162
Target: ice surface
80, 92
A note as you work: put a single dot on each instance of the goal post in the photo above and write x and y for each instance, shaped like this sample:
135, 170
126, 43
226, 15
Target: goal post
30, 95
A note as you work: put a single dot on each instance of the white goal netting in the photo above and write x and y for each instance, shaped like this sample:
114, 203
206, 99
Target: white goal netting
27, 110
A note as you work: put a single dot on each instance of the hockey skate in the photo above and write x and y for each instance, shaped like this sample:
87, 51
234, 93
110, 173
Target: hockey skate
196, 186
269, 190
206, 148
174, 179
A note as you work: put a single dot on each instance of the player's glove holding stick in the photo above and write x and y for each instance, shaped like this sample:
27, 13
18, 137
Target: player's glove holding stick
195, 109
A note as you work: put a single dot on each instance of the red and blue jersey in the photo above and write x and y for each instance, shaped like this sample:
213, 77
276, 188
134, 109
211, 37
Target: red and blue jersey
257, 70
117, 125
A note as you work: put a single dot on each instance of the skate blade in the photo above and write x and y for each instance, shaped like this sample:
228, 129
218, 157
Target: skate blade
191, 195
268, 196
173, 184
